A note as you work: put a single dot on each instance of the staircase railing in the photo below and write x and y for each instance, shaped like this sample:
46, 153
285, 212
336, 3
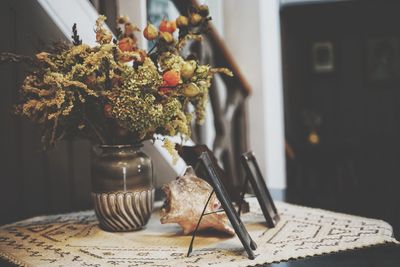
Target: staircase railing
228, 102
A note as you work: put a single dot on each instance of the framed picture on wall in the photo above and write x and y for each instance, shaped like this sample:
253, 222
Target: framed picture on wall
323, 57
383, 64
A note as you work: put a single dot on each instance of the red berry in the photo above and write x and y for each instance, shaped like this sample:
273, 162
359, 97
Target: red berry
126, 44
172, 26
167, 26
163, 25
172, 77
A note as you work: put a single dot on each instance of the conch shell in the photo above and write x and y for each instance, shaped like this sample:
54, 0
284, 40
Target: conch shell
186, 197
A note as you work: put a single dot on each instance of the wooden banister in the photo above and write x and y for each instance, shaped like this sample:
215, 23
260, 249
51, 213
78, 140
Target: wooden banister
228, 104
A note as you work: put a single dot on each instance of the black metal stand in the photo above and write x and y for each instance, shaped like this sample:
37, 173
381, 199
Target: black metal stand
254, 175
220, 191
198, 224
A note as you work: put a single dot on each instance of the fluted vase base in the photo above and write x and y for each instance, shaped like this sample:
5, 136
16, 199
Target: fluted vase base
123, 211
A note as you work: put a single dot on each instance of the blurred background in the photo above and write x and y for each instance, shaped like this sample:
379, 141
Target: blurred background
317, 100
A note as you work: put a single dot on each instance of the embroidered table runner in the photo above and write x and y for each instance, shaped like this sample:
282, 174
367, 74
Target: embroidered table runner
75, 239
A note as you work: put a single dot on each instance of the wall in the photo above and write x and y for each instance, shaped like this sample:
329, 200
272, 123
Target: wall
252, 33
34, 182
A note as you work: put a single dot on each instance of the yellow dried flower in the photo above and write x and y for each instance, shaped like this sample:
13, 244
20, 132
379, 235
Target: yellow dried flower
170, 147
87, 90
103, 36
42, 56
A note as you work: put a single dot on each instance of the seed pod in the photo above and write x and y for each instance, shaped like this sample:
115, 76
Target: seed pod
150, 32
182, 22
167, 37
191, 90
195, 19
187, 69
203, 10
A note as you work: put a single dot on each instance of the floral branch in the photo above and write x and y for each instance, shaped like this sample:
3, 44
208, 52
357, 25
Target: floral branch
75, 37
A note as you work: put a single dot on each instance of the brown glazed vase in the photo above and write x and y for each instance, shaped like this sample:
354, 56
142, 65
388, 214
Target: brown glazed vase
122, 187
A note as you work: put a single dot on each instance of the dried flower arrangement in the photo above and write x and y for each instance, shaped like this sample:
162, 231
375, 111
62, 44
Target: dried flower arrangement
114, 92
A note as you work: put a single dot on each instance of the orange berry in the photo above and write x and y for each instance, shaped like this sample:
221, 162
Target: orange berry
167, 26
172, 77
126, 44
163, 25
150, 32
172, 26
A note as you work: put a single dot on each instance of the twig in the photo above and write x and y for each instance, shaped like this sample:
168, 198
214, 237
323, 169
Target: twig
151, 50
14, 58
53, 132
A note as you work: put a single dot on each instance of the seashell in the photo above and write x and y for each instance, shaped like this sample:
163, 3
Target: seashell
186, 197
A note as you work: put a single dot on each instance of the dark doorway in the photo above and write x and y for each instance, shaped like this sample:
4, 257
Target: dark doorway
341, 65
